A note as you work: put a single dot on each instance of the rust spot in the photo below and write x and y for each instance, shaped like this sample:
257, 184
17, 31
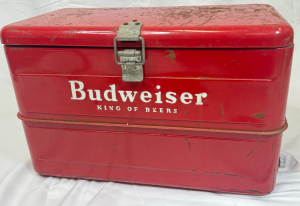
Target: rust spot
88, 177
233, 189
269, 92
53, 38
185, 111
71, 32
185, 23
222, 110
205, 21
282, 86
19, 31
254, 148
274, 14
272, 147
190, 146
258, 116
185, 14
115, 30
234, 175
195, 170
171, 55
186, 139
256, 191
17, 48
114, 178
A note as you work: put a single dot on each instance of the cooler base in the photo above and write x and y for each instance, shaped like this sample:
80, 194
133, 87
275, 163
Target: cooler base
222, 162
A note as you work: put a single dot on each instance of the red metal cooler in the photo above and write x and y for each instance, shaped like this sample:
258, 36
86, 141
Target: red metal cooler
191, 97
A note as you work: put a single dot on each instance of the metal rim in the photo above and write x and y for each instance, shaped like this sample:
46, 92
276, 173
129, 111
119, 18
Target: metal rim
263, 133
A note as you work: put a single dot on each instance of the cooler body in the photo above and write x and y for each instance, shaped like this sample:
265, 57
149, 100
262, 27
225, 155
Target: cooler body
208, 112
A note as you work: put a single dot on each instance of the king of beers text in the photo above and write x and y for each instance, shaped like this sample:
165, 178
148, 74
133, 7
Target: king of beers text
112, 95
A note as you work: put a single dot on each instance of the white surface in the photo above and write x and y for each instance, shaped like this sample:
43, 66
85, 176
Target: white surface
20, 185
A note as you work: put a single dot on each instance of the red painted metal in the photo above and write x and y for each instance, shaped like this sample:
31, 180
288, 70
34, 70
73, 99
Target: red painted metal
228, 76
230, 26
239, 56
236, 163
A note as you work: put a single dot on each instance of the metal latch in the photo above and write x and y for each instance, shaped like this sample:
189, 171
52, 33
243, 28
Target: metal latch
131, 60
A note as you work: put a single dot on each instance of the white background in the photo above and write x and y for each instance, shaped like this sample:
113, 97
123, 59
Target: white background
20, 185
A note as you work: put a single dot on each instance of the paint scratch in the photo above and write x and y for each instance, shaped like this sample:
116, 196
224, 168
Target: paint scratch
222, 110
53, 38
205, 22
254, 148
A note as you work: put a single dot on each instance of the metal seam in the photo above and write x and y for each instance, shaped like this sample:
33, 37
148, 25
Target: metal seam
272, 132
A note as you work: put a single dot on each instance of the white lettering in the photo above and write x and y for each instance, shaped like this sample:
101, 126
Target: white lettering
128, 94
118, 108
129, 108
185, 96
74, 90
170, 97
175, 111
78, 93
99, 107
146, 95
158, 96
199, 98
98, 97
113, 93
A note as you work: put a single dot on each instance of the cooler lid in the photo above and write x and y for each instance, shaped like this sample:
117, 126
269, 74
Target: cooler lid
226, 26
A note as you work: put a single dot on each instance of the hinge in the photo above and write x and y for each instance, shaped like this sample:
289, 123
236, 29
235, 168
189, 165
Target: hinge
131, 60
281, 162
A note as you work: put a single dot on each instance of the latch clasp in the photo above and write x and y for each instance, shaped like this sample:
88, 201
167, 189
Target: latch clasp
131, 60
131, 71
